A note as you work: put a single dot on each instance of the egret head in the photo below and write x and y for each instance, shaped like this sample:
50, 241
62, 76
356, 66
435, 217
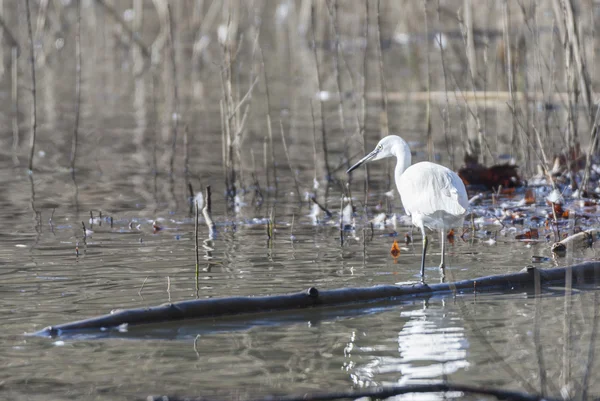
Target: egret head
389, 146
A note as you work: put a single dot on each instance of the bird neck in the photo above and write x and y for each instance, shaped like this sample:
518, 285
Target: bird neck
403, 158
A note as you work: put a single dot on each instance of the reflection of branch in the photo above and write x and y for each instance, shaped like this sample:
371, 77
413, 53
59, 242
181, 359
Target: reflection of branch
590, 361
196, 236
385, 392
9, 35
536, 336
484, 341
37, 216
132, 35
206, 212
567, 329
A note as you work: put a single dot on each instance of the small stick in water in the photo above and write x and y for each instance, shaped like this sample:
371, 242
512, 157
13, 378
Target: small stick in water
84, 232
142, 287
100, 218
91, 220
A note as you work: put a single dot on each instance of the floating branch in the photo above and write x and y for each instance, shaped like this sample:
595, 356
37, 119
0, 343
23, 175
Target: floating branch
312, 297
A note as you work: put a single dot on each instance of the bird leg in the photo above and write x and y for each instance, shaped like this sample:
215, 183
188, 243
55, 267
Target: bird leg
423, 255
443, 239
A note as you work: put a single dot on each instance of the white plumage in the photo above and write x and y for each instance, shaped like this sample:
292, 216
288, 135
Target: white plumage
432, 195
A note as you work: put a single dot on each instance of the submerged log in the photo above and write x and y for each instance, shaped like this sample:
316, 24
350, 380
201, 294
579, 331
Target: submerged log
381, 393
588, 272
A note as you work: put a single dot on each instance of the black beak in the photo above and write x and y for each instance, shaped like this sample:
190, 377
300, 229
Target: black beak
363, 160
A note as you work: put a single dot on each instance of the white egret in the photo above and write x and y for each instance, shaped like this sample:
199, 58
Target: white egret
432, 195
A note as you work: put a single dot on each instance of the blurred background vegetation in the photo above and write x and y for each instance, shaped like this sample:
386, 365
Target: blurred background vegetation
477, 81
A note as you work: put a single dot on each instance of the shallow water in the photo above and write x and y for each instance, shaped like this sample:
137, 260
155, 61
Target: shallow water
50, 274
44, 282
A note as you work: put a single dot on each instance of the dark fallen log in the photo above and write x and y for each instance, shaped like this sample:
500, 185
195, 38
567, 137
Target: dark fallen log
312, 298
386, 392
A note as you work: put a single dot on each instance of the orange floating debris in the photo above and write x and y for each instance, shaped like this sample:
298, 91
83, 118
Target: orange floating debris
560, 211
395, 251
529, 197
450, 236
532, 233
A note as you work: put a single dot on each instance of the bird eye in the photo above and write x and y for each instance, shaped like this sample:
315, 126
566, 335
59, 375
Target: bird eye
379, 147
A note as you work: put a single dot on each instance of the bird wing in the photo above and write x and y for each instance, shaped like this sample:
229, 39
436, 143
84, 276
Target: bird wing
428, 188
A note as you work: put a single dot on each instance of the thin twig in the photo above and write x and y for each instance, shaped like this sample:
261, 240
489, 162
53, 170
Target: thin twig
77, 88
383, 84
428, 135
142, 287
287, 155
175, 117
320, 89
588, 156
364, 101
269, 126
33, 88
14, 94
338, 76
132, 35
446, 111
12, 41
186, 151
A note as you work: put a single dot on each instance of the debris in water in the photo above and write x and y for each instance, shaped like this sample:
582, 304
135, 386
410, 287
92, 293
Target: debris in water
395, 251
530, 234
